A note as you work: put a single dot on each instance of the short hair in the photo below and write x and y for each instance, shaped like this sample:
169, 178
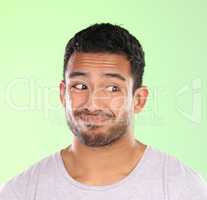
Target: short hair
105, 37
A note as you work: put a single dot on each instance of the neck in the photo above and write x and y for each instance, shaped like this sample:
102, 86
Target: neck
114, 160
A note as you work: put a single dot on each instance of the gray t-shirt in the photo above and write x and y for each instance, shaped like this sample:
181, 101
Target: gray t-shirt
158, 176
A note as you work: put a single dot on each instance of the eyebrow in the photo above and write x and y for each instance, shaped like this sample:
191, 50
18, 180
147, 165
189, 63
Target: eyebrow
112, 75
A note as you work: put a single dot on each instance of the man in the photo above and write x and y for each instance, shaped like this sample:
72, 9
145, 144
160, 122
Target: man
101, 91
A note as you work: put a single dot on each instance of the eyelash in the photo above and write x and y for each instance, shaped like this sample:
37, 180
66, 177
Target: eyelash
74, 86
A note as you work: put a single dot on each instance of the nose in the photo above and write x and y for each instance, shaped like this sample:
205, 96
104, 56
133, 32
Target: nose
96, 100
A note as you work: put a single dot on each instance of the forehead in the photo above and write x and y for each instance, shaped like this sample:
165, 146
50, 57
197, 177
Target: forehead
99, 61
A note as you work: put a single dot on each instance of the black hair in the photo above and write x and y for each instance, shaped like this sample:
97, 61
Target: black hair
105, 37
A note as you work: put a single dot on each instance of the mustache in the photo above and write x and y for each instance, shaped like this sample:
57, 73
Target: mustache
100, 113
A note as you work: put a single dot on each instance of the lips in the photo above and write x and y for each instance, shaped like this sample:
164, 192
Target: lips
93, 119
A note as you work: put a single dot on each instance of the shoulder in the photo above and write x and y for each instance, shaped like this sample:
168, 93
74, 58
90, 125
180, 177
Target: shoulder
181, 181
17, 187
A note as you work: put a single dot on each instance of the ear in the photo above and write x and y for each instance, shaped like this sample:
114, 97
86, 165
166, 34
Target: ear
140, 98
62, 92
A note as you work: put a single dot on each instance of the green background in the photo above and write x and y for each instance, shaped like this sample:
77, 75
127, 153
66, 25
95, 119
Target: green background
33, 37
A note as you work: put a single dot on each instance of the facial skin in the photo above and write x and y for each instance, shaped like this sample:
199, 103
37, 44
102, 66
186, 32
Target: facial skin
99, 108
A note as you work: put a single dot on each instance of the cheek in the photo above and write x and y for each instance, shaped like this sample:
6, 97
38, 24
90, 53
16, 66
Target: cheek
119, 103
123, 117
75, 100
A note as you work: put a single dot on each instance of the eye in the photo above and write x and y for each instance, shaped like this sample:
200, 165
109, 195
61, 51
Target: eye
80, 86
113, 88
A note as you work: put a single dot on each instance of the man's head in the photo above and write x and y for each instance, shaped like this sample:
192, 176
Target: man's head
102, 83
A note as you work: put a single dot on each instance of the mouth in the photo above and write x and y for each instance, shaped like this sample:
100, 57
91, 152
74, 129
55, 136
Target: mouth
92, 120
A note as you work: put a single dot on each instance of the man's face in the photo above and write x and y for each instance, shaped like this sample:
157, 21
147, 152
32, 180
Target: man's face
98, 97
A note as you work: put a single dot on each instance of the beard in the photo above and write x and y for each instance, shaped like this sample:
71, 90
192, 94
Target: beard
94, 134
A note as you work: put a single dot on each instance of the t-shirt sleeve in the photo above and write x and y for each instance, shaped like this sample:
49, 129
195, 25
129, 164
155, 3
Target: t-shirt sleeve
194, 186
7, 193
20, 186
